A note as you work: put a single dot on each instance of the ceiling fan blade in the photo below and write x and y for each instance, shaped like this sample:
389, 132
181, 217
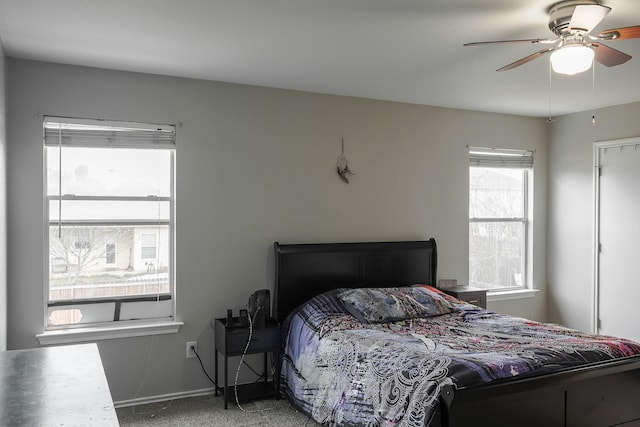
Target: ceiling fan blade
526, 59
531, 41
609, 56
587, 16
620, 33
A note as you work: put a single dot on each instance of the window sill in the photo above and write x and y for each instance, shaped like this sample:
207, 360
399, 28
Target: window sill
97, 333
511, 295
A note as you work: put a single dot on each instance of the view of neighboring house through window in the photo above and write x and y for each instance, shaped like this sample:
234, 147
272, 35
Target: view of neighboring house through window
110, 214
499, 188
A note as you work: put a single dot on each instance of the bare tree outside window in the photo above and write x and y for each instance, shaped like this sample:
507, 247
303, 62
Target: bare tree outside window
81, 248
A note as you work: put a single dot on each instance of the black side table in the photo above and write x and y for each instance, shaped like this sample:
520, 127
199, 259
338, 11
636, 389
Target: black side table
231, 341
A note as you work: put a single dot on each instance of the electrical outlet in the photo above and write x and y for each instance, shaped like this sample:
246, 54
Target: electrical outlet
190, 353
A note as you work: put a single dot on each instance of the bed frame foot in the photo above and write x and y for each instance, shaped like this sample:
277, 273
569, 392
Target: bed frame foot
445, 398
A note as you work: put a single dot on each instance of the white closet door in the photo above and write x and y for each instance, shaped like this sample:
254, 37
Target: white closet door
619, 225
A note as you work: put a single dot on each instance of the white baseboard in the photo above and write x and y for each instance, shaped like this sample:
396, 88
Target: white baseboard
163, 397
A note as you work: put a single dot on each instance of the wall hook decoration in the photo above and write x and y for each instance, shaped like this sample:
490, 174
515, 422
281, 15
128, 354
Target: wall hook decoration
343, 165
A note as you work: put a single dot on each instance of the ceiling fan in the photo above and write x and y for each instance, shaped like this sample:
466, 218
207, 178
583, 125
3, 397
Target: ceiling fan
574, 49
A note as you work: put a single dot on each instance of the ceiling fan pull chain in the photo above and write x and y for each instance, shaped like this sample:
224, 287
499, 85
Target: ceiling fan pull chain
593, 94
549, 90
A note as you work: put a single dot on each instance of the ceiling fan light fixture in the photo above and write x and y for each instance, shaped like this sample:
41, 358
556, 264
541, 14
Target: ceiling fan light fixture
572, 59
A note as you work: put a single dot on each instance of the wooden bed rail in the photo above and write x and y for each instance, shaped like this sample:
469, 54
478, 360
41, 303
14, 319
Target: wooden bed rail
599, 394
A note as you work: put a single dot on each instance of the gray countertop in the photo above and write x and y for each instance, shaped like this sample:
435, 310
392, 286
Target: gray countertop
55, 386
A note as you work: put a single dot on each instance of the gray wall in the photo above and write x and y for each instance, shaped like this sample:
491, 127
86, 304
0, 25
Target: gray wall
570, 217
3, 200
255, 165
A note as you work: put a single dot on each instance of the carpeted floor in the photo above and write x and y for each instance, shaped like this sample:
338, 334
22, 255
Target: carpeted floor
209, 411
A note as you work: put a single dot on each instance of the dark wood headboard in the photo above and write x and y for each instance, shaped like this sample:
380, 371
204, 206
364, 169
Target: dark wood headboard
306, 270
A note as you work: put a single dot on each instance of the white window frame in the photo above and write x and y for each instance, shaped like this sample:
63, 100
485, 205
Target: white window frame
514, 159
147, 323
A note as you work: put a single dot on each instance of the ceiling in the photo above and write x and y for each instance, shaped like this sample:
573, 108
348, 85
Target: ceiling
398, 50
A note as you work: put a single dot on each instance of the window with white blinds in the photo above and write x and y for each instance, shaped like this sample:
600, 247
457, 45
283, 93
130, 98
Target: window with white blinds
109, 211
500, 158
499, 225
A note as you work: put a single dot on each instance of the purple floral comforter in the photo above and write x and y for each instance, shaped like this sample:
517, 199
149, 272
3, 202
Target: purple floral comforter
346, 373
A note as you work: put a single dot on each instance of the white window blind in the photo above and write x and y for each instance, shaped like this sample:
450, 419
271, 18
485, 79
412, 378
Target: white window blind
103, 133
500, 158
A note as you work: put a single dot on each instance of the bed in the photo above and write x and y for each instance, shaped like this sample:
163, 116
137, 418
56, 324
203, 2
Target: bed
441, 362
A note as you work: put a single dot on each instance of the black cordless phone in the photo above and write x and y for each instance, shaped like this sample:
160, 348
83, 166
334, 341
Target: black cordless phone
259, 308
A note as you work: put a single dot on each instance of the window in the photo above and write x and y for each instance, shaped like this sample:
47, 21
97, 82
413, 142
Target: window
499, 206
110, 213
148, 246
110, 254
